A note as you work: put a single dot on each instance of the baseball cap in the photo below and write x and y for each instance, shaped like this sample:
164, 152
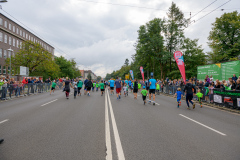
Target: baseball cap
143, 87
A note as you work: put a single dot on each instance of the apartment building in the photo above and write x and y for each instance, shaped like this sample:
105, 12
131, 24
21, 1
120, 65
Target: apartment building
12, 35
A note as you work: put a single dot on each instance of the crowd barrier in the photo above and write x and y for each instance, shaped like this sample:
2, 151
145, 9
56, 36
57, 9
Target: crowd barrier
230, 99
16, 90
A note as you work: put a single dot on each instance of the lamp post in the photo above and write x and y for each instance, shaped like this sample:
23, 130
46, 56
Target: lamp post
10, 50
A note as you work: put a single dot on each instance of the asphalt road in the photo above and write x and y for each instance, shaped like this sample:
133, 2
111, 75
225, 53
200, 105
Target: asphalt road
50, 127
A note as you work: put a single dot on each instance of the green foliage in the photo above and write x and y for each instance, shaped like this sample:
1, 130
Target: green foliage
99, 78
68, 68
224, 38
39, 61
89, 76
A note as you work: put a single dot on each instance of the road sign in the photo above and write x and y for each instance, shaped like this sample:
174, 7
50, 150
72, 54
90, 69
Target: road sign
24, 71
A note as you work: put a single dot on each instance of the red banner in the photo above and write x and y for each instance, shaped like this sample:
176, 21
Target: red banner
181, 65
142, 72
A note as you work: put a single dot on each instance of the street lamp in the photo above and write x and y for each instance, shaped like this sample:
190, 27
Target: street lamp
10, 50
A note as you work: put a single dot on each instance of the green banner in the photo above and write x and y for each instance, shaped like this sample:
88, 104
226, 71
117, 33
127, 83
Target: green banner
221, 71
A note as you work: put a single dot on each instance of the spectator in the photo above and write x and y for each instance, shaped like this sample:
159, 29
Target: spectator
234, 78
218, 84
238, 85
211, 92
208, 79
211, 79
200, 86
232, 85
206, 83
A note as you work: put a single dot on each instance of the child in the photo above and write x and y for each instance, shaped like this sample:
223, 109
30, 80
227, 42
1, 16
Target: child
210, 88
199, 95
53, 87
125, 90
144, 95
93, 86
75, 90
102, 87
179, 96
96, 86
158, 89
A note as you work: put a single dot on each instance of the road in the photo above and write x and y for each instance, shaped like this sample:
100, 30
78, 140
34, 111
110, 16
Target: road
50, 127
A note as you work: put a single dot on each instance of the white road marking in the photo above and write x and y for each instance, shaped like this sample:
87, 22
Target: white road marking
4, 121
107, 132
49, 102
204, 125
116, 134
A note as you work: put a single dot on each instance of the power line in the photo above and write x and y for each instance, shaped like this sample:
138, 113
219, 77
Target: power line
124, 5
203, 8
34, 32
211, 11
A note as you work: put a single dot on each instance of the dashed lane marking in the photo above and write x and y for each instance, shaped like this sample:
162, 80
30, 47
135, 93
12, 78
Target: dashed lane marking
49, 102
4, 121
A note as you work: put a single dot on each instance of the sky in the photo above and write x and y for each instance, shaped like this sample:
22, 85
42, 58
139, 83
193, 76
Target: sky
99, 35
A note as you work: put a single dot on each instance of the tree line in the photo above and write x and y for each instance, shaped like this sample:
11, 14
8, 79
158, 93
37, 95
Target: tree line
159, 38
42, 63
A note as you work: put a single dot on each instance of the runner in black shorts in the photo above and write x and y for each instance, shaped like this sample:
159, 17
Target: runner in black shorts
135, 88
189, 93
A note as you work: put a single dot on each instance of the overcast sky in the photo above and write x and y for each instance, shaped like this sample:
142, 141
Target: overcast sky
101, 36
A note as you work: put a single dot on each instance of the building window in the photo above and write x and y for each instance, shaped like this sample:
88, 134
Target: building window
5, 54
21, 45
23, 34
5, 24
1, 21
4, 69
26, 35
13, 28
17, 31
10, 40
0, 53
32, 39
1, 36
10, 26
17, 44
20, 32
29, 37
13, 42
5, 38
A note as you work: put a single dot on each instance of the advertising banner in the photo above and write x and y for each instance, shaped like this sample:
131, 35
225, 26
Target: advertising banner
142, 72
220, 71
180, 62
131, 73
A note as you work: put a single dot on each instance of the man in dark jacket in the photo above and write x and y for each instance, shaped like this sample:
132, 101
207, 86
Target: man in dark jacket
189, 93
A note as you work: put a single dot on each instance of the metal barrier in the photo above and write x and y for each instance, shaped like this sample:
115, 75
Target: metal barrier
18, 89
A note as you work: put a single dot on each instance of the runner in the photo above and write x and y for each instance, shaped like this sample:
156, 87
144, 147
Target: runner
189, 93
102, 87
89, 86
118, 84
97, 85
93, 86
152, 88
147, 85
144, 94
85, 86
179, 96
67, 85
75, 87
112, 82
135, 88
125, 89
130, 84
53, 86
79, 85
200, 96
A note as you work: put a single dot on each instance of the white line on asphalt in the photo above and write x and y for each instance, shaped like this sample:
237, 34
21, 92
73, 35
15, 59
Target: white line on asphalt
4, 121
49, 102
107, 132
203, 125
116, 134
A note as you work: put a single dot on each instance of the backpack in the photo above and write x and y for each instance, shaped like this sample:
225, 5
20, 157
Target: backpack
89, 84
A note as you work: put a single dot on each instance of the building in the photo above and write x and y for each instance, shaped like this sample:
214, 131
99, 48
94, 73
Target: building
11, 36
85, 73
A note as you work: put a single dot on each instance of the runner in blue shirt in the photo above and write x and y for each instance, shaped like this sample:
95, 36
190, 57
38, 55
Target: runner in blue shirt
111, 86
118, 84
152, 88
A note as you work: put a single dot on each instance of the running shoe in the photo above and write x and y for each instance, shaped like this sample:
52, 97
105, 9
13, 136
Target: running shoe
188, 108
149, 102
144, 102
193, 106
119, 97
1, 141
201, 106
154, 103
180, 103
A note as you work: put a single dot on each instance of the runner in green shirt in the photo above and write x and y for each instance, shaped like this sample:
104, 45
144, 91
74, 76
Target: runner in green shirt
144, 94
79, 85
97, 86
102, 87
53, 87
139, 85
199, 95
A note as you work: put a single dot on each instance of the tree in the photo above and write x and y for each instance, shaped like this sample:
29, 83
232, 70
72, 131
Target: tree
99, 78
224, 38
89, 76
174, 30
126, 62
39, 61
